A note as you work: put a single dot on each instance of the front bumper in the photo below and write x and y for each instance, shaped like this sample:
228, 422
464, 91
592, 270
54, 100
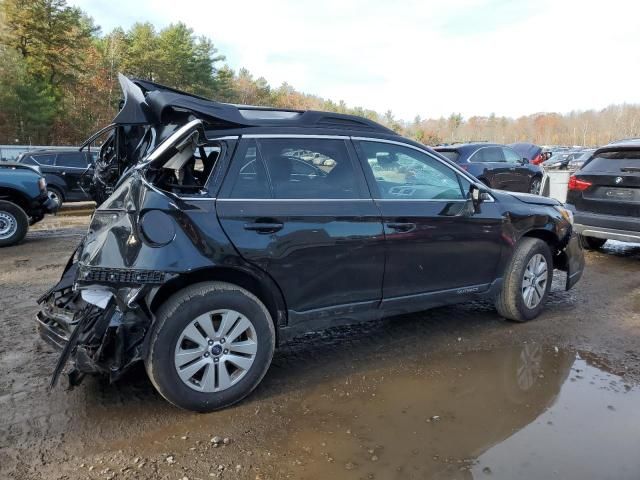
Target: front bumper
571, 260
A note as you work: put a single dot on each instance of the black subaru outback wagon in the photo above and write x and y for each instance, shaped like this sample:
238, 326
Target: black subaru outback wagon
236, 228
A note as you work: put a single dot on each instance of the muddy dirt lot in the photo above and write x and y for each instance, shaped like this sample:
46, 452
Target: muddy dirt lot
450, 393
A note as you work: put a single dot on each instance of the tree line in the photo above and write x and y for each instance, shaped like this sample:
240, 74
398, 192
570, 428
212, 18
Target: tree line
58, 84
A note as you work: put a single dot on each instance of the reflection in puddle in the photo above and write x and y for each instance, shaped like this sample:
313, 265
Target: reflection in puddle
516, 413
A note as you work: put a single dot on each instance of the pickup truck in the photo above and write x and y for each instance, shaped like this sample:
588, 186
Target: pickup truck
24, 200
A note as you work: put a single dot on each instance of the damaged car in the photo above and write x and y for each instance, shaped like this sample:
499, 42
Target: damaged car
227, 230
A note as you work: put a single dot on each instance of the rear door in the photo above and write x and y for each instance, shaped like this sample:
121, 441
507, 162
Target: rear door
298, 207
614, 184
72, 166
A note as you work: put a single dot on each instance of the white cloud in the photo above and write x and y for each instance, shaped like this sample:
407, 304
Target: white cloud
421, 57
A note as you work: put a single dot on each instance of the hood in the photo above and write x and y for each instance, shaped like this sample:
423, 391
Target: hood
20, 166
528, 198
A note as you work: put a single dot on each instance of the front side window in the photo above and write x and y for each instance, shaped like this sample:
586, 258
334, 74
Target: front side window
511, 156
404, 173
74, 160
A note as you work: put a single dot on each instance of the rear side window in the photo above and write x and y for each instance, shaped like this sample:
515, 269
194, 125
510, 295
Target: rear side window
450, 154
311, 168
488, 155
624, 161
44, 159
292, 168
75, 160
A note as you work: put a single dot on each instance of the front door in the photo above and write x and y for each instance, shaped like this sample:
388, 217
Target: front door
299, 208
435, 242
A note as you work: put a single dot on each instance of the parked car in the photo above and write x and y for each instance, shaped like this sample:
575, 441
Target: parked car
605, 195
580, 158
23, 201
63, 170
532, 152
200, 272
562, 159
497, 166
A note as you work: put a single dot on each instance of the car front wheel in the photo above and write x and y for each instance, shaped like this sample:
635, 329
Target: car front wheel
14, 223
527, 281
210, 346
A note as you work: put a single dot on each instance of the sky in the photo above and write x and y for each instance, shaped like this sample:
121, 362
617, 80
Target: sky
429, 58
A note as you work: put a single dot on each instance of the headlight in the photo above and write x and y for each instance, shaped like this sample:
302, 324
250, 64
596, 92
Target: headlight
566, 214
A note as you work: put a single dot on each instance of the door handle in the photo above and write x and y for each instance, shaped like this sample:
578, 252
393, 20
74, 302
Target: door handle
264, 227
401, 226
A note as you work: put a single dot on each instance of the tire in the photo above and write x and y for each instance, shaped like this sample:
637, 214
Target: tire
14, 223
510, 301
175, 319
56, 193
535, 185
593, 243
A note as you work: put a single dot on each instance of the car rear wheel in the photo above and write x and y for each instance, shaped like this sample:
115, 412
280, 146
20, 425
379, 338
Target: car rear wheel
14, 223
527, 281
211, 345
593, 243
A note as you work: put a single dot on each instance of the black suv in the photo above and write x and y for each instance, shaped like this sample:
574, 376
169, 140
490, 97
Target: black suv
605, 194
497, 166
63, 170
247, 226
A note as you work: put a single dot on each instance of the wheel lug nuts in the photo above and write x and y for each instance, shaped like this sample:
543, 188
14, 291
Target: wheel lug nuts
216, 360
206, 354
210, 342
222, 340
226, 351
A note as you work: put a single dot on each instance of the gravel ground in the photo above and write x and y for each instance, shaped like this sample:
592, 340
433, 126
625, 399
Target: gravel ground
431, 394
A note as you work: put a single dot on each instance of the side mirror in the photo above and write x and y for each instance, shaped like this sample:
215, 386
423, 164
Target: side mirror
476, 196
524, 161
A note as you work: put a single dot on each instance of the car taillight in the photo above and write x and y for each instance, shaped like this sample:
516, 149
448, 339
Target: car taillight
537, 160
577, 184
42, 184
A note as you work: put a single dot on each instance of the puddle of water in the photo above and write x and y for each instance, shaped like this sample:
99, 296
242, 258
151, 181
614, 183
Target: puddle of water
525, 413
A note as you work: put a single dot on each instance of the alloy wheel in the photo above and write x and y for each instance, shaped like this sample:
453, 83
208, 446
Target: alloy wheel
215, 350
534, 281
535, 186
